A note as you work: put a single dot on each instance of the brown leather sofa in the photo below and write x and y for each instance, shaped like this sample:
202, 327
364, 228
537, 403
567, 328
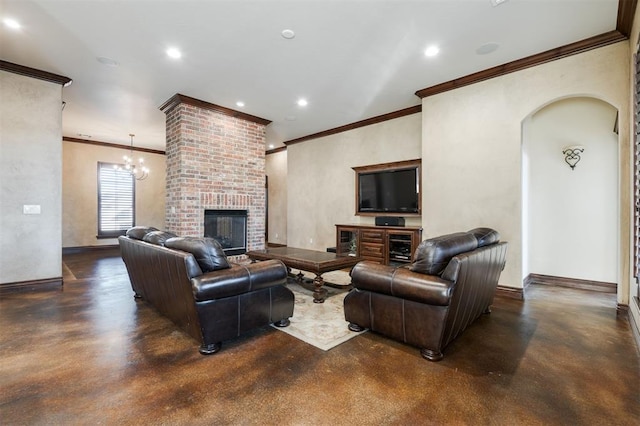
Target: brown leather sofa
429, 303
190, 281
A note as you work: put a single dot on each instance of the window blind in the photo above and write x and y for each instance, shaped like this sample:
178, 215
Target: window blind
116, 200
636, 167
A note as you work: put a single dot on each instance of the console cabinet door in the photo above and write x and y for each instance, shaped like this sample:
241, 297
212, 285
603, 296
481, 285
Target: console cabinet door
400, 247
347, 241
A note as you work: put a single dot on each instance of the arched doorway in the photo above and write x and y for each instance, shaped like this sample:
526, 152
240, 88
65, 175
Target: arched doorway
570, 215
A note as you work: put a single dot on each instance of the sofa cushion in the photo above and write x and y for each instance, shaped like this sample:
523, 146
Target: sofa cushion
207, 251
158, 237
433, 255
239, 279
138, 232
485, 236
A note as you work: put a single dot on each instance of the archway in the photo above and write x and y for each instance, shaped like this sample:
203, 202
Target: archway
570, 214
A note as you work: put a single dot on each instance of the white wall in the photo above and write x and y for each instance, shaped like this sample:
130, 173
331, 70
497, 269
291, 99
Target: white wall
321, 182
572, 214
471, 147
277, 191
80, 192
30, 173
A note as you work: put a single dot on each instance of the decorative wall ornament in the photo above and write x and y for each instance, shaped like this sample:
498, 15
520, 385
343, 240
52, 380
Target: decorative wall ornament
139, 172
572, 155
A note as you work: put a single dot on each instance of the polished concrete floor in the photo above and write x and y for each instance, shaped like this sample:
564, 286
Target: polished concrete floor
89, 354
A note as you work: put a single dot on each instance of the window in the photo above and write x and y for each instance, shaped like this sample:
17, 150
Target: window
636, 169
116, 201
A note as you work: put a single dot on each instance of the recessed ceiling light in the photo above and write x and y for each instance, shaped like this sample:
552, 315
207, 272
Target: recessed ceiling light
432, 51
271, 146
302, 102
107, 61
487, 48
240, 104
11, 23
288, 34
174, 53
495, 3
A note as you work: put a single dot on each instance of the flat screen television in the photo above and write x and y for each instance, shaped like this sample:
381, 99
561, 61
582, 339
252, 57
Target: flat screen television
394, 191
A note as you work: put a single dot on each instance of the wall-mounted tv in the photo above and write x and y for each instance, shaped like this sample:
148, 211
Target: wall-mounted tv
388, 189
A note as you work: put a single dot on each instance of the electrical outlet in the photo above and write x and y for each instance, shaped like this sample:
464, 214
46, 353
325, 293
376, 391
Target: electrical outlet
310, 240
31, 209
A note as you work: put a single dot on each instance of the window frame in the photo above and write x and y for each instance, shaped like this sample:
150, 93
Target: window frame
636, 169
113, 233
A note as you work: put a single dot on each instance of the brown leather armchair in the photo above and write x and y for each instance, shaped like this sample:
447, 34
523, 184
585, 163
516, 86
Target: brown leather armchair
429, 303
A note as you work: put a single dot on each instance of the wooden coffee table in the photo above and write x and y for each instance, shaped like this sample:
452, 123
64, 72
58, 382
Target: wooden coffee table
317, 262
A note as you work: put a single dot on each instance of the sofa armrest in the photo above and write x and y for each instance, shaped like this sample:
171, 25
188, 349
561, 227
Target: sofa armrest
238, 279
402, 282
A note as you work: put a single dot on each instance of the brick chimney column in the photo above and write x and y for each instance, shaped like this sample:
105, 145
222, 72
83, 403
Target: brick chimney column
215, 160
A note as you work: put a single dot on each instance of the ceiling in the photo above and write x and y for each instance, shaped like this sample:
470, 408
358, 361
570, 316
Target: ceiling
351, 60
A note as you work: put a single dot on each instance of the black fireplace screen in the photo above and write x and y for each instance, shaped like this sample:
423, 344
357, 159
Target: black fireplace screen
229, 228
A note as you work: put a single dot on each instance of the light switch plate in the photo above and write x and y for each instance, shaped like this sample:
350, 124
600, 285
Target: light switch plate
31, 209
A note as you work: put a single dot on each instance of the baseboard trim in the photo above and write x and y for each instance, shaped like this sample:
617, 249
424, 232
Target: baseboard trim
510, 292
600, 286
622, 309
48, 283
84, 249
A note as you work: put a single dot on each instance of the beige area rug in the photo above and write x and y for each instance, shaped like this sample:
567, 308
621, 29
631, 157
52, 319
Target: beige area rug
320, 324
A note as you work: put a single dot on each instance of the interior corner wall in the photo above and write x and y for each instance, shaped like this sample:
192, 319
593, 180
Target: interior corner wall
30, 174
80, 192
633, 291
277, 197
471, 146
321, 181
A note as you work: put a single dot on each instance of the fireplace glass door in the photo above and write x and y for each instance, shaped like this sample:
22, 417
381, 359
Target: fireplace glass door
229, 228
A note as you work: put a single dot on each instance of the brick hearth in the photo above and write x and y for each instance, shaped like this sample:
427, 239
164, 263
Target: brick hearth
215, 160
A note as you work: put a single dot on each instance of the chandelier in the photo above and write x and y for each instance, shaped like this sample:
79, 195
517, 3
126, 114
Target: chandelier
139, 171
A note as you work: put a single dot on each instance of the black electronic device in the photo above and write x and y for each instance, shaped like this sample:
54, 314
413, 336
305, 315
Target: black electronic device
389, 221
389, 191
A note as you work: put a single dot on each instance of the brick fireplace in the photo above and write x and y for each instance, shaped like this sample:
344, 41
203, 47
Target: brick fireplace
215, 161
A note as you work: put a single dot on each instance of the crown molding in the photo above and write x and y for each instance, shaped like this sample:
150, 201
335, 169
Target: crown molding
276, 150
530, 61
626, 10
182, 99
367, 122
113, 145
624, 22
35, 73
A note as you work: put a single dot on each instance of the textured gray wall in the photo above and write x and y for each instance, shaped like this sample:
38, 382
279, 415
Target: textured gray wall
80, 192
30, 174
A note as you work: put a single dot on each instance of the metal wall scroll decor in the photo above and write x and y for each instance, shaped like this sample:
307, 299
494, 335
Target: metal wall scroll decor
572, 155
